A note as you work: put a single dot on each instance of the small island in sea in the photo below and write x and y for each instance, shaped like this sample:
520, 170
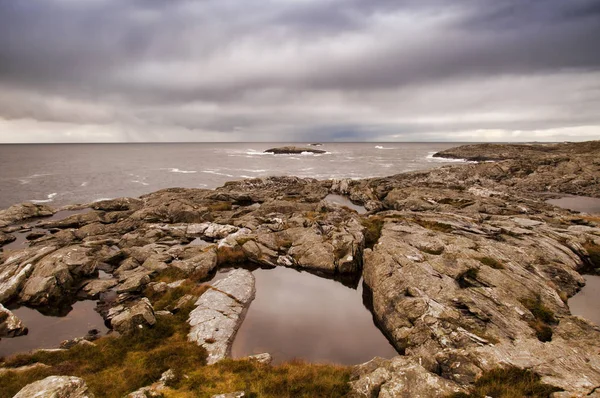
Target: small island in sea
466, 269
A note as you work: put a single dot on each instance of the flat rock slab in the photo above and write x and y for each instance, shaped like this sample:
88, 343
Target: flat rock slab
219, 313
56, 387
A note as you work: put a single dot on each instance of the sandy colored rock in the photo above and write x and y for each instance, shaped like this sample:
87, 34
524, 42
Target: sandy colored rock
56, 387
219, 313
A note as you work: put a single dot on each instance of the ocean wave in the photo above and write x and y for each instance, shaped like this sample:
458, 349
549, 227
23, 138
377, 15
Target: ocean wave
175, 170
216, 173
140, 182
84, 184
254, 170
430, 158
382, 147
48, 199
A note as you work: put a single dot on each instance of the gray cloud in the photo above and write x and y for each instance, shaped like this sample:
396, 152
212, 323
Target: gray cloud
309, 70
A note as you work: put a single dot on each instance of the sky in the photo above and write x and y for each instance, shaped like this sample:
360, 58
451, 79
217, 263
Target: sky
299, 70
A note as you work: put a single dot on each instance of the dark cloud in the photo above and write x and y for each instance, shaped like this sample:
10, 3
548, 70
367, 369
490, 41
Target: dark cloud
299, 68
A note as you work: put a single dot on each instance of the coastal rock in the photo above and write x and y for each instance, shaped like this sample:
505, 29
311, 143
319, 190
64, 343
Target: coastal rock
23, 211
124, 318
56, 387
6, 238
93, 288
156, 389
10, 325
264, 358
293, 150
220, 312
399, 377
17, 268
56, 273
448, 286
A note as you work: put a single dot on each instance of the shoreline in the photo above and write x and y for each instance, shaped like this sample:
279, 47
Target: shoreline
468, 266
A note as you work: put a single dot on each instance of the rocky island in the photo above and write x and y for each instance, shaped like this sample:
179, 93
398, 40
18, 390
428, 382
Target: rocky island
468, 270
293, 150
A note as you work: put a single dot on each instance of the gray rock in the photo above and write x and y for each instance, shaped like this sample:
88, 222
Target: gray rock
264, 358
220, 312
57, 273
156, 389
22, 212
126, 317
94, 287
56, 387
10, 325
237, 394
290, 150
399, 377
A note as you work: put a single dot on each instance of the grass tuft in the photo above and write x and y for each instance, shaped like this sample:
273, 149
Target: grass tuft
435, 226
373, 227
465, 279
510, 382
491, 262
543, 317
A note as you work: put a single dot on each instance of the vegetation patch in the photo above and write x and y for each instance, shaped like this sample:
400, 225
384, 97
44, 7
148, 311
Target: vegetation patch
429, 250
220, 206
593, 251
160, 301
292, 379
230, 255
491, 262
373, 227
116, 366
510, 382
435, 226
468, 278
543, 317
170, 274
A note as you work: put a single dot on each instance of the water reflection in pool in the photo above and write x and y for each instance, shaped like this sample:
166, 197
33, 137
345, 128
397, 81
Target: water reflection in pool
585, 303
49, 331
300, 315
582, 204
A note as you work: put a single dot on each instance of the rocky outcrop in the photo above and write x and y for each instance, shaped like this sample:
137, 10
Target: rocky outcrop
293, 150
10, 325
56, 387
219, 314
464, 294
468, 268
56, 273
23, 211
156, 389
126, 317
400, 377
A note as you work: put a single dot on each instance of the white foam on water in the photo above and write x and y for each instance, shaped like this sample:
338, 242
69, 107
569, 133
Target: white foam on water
101, 199
216, 173
430, 158
140, 182
84, 184
48, 199
254, 171
176, 170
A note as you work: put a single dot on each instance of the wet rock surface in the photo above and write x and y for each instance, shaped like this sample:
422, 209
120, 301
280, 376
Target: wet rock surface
10, 325
468, 266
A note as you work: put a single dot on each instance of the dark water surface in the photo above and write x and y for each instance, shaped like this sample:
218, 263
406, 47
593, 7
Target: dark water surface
63, 174
301, 315
49, 331
586, 303
583, 204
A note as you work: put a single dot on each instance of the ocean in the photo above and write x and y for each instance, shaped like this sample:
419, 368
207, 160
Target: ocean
60, 174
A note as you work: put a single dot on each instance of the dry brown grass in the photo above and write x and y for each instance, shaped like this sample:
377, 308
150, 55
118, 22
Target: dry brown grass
230, 255
510, 382
292, 379
220, 206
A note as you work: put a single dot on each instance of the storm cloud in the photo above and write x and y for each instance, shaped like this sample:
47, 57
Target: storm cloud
299, 70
